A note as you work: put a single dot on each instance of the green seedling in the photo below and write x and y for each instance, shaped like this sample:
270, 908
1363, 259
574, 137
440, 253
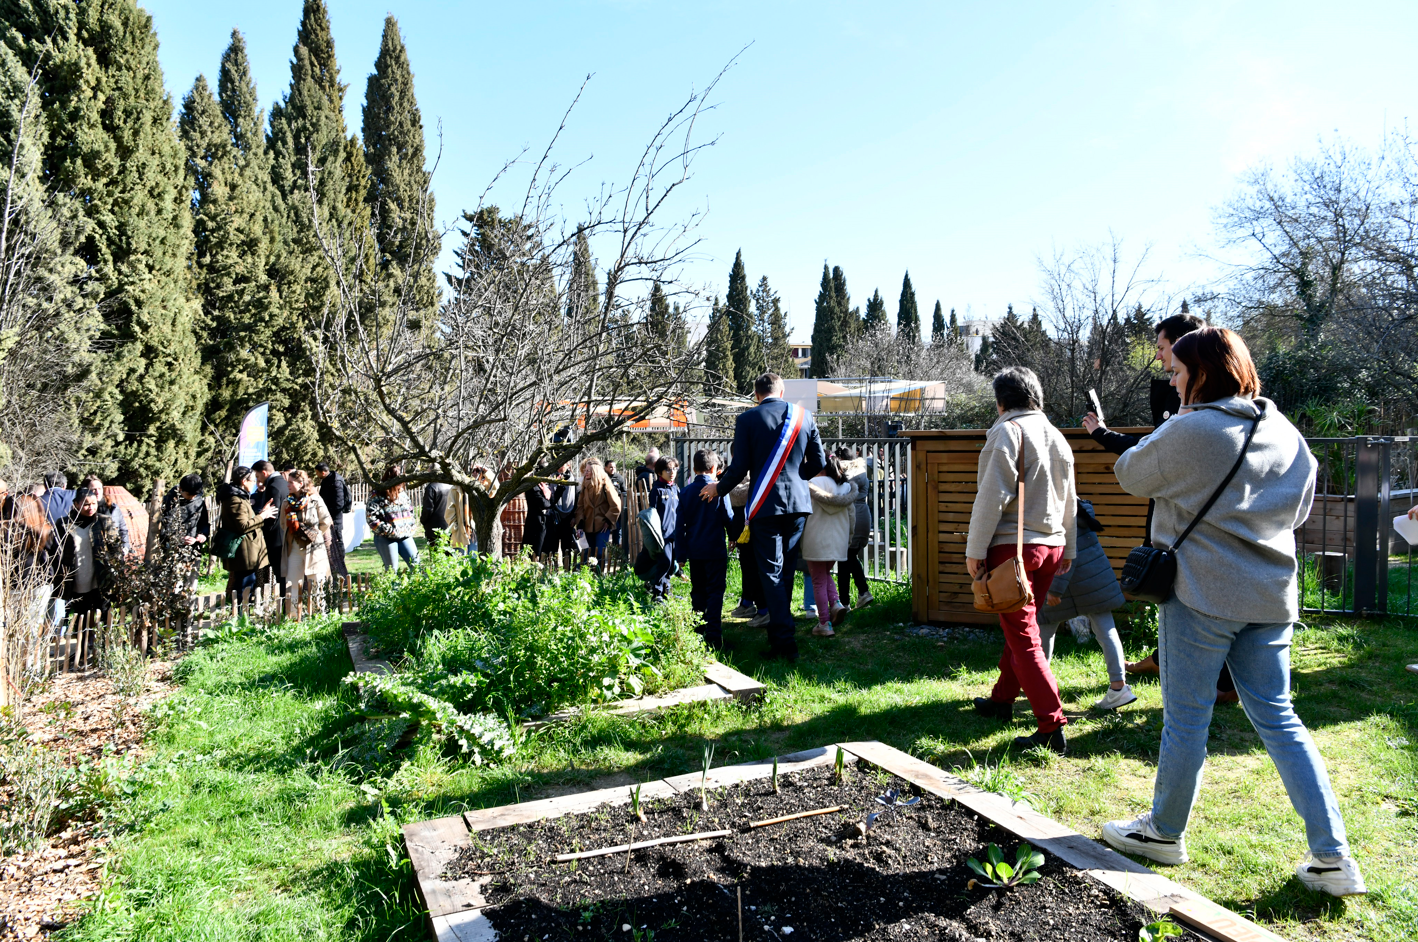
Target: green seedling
1003, 876
1160, 929
840, 772
635, 808
775, 775
704, 777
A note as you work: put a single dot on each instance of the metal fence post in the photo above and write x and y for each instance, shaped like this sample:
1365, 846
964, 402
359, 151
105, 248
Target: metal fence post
1367, 484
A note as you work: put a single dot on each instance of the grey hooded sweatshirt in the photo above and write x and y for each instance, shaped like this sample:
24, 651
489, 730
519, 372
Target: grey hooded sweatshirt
1239, 562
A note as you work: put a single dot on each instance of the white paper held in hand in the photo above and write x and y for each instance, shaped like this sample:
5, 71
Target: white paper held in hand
1408, 529
1097, 406
581, 542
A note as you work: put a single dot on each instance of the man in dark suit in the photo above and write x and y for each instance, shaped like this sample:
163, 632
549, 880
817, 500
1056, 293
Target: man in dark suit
273, 490
777, 528
336, 495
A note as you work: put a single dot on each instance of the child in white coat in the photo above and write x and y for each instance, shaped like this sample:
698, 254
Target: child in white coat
825, 537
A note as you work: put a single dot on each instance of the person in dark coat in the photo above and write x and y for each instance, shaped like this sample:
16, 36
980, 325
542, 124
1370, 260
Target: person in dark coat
336, 495
58, 500
91, 555
1165, 404
536, 530
699, 540
433, 514
273, 493
193, 520
618, 482
777, 527
664, 498
561, 535
251, 565
1090, 591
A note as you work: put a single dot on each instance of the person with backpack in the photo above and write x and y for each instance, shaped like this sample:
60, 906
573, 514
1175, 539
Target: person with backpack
1230, 595
700, 531
338, 500
433, 512
1089, 591
664, 501
240, 542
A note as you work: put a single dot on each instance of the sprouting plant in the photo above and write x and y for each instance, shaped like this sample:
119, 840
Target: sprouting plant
775, 775
840, 772
1160, 929
1003, 876
635, 808
894, 803
704, 777
643, 935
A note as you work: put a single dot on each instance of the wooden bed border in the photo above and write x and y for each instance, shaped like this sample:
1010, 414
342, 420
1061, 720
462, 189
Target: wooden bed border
455, 907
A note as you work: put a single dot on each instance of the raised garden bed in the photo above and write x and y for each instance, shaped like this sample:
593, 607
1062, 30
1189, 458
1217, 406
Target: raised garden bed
493, 874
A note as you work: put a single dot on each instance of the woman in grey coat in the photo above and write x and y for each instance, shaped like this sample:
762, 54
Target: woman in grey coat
1090, 590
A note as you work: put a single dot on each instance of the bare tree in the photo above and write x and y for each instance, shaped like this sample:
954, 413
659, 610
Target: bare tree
522, 370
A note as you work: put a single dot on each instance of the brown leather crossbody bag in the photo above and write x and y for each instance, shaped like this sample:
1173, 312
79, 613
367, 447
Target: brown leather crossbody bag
1006, 588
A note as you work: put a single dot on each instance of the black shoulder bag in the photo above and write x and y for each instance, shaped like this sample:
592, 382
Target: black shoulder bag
1149, 573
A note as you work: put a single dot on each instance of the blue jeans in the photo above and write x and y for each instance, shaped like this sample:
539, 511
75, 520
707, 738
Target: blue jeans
1193, 648
390, 550
809, 600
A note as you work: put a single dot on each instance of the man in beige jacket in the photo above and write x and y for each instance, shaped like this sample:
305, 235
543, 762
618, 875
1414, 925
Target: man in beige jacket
1023, 445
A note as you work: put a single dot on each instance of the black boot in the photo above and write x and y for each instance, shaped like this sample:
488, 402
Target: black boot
993, 710
1053, 741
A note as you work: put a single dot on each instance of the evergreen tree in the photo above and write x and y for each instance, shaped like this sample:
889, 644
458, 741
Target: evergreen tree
825, 323
399, 197
876, 313
985, 361
908, 318
658, 325
237, 231
849, 319
747, 342
112, 146
780, 351
718, 349
584, 292
1139, 326
954, 327
937, 327
1036, 338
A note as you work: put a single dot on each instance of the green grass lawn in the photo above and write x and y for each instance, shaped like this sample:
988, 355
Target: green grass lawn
243, 824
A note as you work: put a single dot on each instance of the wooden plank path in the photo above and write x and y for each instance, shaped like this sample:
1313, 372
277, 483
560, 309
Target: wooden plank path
456, 907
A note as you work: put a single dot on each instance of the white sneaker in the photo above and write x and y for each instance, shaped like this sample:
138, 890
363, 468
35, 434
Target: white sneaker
759, 620
1339, 877
1413, 668
1082, 629
745, 610
1116, 698
823, 630
864, 600
810, 612
1138, 836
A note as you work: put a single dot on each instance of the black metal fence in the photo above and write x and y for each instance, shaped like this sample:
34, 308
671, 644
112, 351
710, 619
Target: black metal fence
1352, 560
887, 555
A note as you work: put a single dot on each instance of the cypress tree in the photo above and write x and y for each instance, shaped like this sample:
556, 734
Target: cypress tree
238, 228
908, 318
747, 343
657, 319
718, 349
584, 291
111, 144
825, 324
849, 320
954, 327
876, 313
780, 351
985, 356
399, 197
937, 326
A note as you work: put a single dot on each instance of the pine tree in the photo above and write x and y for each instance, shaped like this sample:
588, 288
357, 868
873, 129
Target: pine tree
1139, 326
937, 326
399, 197
584, 291
748, 344
111, 144
237, 228
908, 318
718, 349
825, 324
876, 313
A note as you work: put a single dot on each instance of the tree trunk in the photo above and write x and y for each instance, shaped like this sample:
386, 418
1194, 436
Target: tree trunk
487, 522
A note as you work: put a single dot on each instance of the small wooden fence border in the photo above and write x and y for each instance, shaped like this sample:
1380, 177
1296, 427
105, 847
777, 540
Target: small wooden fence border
75, 646
455, 907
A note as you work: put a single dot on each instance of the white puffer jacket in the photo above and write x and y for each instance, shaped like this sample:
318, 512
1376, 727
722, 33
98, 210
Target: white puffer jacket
829, 528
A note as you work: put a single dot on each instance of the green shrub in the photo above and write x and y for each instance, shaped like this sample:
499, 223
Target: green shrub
503, 637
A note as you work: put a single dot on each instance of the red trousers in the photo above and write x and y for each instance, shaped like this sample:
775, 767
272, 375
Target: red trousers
1023, 665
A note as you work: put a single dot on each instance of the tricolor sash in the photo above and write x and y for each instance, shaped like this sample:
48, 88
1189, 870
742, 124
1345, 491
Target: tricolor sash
777, 460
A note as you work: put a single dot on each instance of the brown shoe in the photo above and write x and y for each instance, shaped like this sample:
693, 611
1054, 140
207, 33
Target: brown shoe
1227, 696
1147, 665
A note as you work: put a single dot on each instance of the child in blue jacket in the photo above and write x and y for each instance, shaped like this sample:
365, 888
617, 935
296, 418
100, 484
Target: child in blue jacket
664, 497
700, 540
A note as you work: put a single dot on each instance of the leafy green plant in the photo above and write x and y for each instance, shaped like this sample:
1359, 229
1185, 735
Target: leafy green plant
480, 736
839, 773
999, 778
635, 808
1003, 876
775, 775
704, 777
38, 782
1160, 929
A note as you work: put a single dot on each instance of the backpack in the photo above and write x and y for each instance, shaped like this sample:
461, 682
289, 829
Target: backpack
652, 537
349, 499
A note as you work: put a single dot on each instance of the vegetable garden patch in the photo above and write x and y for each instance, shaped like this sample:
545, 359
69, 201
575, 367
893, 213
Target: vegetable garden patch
853, 842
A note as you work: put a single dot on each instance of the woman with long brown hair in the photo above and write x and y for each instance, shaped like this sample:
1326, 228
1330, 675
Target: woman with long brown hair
1235, 597
306, 525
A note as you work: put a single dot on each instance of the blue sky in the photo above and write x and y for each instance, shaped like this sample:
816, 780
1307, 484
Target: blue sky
959, 141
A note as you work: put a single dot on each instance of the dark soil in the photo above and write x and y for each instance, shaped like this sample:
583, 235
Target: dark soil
809, 880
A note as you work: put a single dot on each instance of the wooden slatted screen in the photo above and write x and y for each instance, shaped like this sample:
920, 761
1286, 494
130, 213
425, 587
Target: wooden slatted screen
943, 465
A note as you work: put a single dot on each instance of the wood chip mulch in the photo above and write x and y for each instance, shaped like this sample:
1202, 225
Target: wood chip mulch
74, 714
